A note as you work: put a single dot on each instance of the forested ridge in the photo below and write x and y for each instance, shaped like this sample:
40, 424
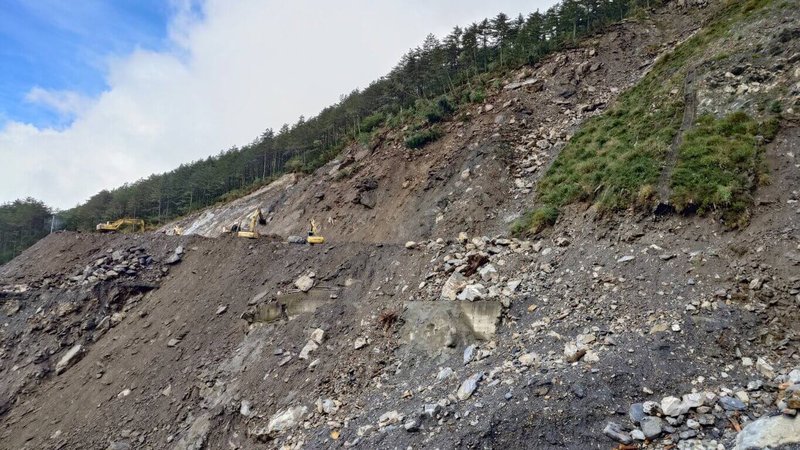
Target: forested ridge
429, 83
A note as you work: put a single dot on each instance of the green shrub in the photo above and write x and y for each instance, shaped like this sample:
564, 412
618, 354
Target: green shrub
419, 139
371, 122
295, 164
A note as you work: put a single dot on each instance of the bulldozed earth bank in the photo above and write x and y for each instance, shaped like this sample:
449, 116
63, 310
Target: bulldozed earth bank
421, 323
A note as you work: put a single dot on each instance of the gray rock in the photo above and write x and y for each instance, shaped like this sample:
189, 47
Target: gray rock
296, 240
444, 374
636, 412
615, 432
173, 259
119, 445
431, 410
769, 432
732, 404
637, 435
411, 426
469, 386
652, 427
469, 353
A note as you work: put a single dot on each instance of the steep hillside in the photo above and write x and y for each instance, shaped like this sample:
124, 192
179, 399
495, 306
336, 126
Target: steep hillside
612, 318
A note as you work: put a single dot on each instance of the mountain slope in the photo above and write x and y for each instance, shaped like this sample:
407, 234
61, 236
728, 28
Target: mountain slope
472, 340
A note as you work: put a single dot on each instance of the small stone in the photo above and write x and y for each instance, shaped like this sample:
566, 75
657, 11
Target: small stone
572, 353
411, 426
765, 368
221, 309
625, 259
307, 349
732, 404
304, 283
652, 427
173, 342
444, 374
638, 435
318, 335
411, 244
469, 353
636, 412
469, 386
70, 357
360, 343
529, 359
390, 418
615, 432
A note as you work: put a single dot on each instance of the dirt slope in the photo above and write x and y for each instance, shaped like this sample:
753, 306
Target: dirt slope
464, 338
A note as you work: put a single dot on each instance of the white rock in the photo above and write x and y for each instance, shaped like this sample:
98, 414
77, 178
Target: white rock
304, 283
286, 419
318, 335
444, 374
390, 418
411, 244
307, 349
529, 359
70, 357
472, 292
626, 258
469, 386
453, 286
360, 342
672, 406
765, 368
488, 273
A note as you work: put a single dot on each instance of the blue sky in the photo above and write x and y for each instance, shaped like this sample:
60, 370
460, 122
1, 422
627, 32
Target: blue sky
63, 45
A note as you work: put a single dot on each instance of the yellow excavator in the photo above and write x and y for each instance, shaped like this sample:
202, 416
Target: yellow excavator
256, 218
121, 225
313, 235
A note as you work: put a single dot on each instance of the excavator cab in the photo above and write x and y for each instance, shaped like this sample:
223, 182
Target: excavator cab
313, 235
256, 218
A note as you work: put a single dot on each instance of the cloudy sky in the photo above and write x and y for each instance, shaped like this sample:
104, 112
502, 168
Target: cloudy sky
97, 93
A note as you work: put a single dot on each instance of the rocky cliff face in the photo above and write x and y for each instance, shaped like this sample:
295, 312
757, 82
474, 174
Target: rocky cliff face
421, 323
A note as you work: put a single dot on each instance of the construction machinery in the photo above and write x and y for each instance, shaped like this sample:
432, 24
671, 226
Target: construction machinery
256, 218
121, 225
313, 235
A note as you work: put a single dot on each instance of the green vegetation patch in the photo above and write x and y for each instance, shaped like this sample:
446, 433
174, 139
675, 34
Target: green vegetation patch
719, 165
615, 160
419, 139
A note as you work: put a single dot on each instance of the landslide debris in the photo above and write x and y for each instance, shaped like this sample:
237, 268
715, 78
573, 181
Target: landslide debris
421, 323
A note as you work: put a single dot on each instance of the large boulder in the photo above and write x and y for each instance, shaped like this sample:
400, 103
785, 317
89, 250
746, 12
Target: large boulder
769, 432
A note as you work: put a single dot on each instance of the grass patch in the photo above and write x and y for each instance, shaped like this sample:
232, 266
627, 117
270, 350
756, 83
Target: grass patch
615, 160
719, 165
535, 221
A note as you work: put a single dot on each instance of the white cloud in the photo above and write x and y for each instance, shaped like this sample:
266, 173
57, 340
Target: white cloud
65, 103
243, 67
